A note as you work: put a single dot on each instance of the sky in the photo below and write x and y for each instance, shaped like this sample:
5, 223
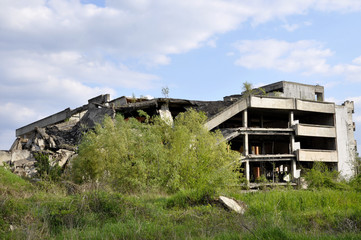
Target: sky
56, 54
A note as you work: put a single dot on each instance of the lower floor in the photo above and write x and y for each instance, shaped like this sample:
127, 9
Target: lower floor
278, 171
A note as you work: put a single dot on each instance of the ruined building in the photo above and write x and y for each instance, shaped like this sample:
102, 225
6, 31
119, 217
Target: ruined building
280, 130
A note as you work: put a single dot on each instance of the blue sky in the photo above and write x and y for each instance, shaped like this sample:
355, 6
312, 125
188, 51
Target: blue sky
56, 54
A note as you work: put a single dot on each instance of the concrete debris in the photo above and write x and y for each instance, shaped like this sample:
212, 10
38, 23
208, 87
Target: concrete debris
20, 155
233, 205
62, 157
5, 156
59, 134
303, 183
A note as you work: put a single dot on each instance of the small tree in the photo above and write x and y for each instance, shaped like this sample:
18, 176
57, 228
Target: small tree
165, 92
133, 156
248, 90
44, 170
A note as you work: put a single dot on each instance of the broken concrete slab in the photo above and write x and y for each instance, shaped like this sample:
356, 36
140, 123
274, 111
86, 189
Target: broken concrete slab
20, 155
233, 205
5, 156
16, 145
63, 156
24, 163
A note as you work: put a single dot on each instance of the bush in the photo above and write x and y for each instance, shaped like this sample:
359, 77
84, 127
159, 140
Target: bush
321, 177
133, 156
43, 168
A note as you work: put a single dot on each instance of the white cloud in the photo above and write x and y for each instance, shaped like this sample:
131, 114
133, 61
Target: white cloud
290, 27
305, 56
15, 114
7, 137
59, 53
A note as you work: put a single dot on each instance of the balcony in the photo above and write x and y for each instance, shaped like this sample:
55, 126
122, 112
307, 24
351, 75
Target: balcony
272, 103
317, 155
311, 106
315, 130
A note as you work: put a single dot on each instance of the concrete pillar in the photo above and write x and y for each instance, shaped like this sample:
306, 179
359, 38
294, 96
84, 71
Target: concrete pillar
293, 168
292, 139
291, 119
245, 118
245, 147
247, 173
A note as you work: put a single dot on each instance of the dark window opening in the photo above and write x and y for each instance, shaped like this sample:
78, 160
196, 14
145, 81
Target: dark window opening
326, 119
319, 97
317, 143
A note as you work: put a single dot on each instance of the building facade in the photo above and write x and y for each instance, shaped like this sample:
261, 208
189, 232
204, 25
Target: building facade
279, 129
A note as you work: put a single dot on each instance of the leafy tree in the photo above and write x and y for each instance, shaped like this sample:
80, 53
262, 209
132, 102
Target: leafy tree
133, 156
248, 90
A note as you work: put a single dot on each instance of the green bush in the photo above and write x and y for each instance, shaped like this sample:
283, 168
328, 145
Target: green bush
355, 183
319, 176
134, 157
44, 169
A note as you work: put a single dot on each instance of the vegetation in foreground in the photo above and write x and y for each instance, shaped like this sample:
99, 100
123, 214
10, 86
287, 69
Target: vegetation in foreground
56, 211
162, 184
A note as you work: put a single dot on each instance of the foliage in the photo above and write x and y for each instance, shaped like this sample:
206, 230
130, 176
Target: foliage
191, 214
357, 164
133, 156
321, 177
355, 183
165, 92
44, 169
187, 198
248, 90
12, 184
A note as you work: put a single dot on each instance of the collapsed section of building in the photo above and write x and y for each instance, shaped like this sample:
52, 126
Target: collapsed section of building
280, 130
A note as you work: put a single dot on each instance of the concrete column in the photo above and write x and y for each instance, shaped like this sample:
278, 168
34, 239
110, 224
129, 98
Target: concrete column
293, 168
292, 139
247, 173
245, 118
245, 147
291, 119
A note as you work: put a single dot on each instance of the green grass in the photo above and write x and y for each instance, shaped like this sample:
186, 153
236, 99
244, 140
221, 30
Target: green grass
45, 211
12, 184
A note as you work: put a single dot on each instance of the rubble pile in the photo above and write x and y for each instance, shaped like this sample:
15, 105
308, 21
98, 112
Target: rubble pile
58, 141
58, 135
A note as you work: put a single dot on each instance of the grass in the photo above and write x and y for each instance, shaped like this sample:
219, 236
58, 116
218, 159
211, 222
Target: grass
46, 211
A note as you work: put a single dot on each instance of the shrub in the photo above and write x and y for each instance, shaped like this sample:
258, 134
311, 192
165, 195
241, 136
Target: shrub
43, 168
133, 156
319, 176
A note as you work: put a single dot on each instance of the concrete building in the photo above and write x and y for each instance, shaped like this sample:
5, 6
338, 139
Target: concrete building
288, 129
279, 130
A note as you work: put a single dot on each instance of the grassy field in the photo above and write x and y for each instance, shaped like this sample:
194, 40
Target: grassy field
48, 211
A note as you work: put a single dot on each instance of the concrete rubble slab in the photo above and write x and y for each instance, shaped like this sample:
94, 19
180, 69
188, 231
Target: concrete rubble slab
232, 205
5, 156
20, 155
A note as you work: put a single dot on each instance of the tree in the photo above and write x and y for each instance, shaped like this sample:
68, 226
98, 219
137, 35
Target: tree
133, 156
165, 92
248, 90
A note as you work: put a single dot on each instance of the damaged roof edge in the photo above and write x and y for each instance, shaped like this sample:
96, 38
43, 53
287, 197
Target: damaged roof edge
52, 119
